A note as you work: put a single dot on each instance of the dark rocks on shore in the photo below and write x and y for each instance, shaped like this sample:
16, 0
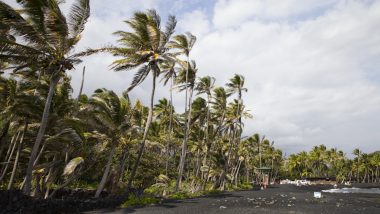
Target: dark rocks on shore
65, 201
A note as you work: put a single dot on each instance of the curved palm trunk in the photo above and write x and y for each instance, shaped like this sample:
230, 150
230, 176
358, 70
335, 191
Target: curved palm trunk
19, 147
106, 171
45, 116
147, 125
184, 145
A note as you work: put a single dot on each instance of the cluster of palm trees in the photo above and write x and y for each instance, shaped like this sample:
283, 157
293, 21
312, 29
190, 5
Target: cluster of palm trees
50, 140
322, 162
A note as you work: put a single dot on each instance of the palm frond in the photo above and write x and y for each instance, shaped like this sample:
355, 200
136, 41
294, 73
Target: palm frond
79, 14
139, 77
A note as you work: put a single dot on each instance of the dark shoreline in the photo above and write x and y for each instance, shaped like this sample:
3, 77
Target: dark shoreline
284, 198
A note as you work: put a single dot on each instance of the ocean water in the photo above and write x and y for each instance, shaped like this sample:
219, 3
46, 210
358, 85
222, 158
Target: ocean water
353, 190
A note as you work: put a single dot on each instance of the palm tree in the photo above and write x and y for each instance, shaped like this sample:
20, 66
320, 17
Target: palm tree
186, 81
44, 39
168, 68
236, 85
145, 48
184, 44
358, 155
205, 85
109, 116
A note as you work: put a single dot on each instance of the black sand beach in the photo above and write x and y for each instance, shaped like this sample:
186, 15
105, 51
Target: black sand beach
276, 199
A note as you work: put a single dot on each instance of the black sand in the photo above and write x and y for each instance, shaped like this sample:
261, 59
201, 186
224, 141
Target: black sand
277, 199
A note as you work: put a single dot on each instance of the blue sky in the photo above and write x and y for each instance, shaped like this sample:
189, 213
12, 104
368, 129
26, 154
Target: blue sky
312, 67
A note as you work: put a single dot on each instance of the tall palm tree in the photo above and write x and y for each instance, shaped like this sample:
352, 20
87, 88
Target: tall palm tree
44, 39
186, 81
145, 48
168, 68
236, 85
205, 85
184, 44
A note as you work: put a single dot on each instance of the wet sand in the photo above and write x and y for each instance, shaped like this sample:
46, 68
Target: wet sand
276, 199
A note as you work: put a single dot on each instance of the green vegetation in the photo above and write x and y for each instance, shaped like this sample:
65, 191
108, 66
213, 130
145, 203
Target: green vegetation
106, 141
133, 201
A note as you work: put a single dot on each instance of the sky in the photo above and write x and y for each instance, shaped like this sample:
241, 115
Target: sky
312, 67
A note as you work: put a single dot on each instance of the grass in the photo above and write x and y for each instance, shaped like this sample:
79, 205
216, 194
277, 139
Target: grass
139, 201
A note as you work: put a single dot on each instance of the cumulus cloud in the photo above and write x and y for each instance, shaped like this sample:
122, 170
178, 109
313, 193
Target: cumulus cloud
311, 67
307, 77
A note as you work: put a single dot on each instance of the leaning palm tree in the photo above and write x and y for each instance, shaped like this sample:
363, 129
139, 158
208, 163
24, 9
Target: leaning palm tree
44, 40
145, 48
108, 115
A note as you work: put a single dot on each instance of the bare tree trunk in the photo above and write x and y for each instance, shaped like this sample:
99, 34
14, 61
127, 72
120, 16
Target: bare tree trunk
106, 171
147, 125
81, 85
28, 180
9, 158
17, 156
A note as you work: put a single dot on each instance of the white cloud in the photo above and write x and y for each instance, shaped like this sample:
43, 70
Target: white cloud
311, 67
229, 13
307, 79
196, 22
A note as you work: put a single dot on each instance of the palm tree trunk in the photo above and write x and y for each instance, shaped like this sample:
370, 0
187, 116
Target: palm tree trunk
208, 146
147, 125
122, 166
81, 85
170, 128
5, 169
9, 151
237, 172
45, 116
106, 171
3, 136
184, 145
17, 156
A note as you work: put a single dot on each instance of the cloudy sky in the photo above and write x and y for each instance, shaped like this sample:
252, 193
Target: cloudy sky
312, 67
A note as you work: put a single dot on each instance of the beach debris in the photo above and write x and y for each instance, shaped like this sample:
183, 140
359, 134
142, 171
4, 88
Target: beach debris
222, 207
317, 195
283, 195
296, 182
269, 202
289, 205
293, 198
